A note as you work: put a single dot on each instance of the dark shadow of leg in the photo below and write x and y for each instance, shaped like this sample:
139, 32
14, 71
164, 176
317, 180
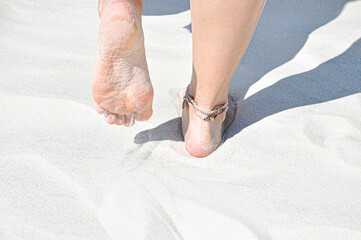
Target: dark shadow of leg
164, 7
336, 78
171, 130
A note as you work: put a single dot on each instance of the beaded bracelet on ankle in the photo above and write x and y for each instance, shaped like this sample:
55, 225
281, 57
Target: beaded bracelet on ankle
205, 115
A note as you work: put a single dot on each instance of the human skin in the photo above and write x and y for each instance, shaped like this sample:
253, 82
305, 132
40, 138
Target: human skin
221, 32
121, 84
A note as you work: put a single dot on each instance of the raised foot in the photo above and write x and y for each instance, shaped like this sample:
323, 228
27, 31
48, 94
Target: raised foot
121, 83
203, 138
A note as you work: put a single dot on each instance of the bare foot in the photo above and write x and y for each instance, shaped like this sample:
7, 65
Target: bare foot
203, 138
121, 83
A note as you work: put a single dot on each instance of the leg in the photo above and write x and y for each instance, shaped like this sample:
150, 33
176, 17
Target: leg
121, 83
221, 32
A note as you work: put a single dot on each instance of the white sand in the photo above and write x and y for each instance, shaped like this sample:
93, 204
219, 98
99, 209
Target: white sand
289, 169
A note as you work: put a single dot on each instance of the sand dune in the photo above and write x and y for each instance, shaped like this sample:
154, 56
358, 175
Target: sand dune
290, 168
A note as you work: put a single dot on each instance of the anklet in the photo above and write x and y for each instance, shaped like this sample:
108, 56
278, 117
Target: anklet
205, 115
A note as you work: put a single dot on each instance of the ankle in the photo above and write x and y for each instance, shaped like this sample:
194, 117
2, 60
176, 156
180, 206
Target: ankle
208, 99
207, 115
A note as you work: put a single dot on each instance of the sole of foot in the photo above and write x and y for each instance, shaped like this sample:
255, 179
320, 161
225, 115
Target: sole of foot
121, 85
203, 138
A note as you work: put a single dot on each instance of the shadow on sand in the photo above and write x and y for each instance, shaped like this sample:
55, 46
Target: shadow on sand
282, 31
164, 7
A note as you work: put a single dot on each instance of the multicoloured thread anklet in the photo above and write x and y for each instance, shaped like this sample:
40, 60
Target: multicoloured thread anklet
205, 115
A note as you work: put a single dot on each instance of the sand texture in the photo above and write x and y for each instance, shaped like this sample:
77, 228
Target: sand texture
290, 167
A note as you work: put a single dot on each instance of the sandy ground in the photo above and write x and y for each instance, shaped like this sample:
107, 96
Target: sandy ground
290, 168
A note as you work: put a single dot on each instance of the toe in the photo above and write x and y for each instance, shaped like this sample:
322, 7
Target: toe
119, 120
99, 110
111, 118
